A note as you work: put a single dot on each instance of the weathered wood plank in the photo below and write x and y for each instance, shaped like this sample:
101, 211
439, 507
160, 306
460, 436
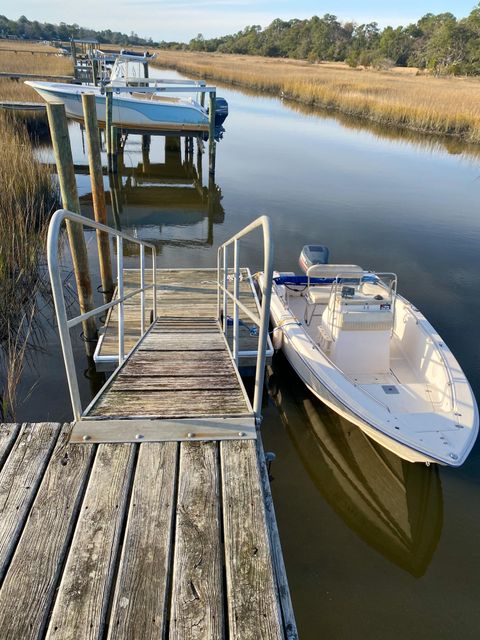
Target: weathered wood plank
28, 590
8, 435
81, 604
192, 359
168, 404
126, 382
145, 366
140, 599
19, 481
253, 609
288, 616
197, 607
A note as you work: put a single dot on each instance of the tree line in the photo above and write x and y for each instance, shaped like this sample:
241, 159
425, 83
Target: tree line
25, 29
441, 43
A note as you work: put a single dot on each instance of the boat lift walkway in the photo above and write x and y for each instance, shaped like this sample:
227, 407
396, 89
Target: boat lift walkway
151, 516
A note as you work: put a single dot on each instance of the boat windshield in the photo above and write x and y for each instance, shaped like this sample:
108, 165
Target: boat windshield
126, 71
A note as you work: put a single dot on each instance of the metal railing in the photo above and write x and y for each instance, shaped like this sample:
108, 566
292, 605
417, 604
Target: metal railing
64, 323
224, 295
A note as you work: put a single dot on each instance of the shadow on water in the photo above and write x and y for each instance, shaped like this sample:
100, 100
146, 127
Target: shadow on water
396, 507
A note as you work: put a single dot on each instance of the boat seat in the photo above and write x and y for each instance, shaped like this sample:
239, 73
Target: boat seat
315, 296
318, 295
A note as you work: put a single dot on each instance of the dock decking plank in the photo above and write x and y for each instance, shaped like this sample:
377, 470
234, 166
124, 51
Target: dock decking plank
19, 481
141, 592
8, 435
35, 568
172, 404
197, 599
82, 600
131, 382
252, 598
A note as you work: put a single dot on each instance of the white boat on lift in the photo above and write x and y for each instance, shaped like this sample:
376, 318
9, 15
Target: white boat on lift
138, 101
372, 356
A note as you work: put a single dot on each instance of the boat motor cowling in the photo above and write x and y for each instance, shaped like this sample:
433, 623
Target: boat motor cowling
313, 254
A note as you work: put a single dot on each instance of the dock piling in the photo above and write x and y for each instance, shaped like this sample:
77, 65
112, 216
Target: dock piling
98, 191
57, 119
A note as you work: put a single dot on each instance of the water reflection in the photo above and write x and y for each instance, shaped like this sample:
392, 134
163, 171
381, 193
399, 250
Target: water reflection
394, 506
166, 203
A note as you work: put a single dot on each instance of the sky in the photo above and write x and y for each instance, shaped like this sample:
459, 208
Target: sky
184, 19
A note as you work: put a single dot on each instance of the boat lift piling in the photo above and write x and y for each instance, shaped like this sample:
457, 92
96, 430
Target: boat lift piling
57, 119
109, 126
98, 191
211, 133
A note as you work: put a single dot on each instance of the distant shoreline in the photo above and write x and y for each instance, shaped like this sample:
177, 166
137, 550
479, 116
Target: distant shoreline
399, 97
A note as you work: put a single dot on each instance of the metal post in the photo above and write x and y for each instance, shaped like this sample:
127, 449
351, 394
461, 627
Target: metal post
98, 192
108, 124
264, 318
61, 312
236, 292
120, 289
154, 281
142, 287
211, 133
68, 187
225, 297
202, 93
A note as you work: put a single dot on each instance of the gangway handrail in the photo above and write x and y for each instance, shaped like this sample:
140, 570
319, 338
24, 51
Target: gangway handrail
64, 323
223, 294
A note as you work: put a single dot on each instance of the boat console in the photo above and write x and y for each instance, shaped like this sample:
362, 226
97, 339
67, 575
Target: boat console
358, 321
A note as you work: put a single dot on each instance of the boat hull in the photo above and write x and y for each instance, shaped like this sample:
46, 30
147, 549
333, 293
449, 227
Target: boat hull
128, 112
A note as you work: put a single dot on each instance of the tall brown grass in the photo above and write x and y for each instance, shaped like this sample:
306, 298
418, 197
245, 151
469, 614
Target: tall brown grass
27, 197
25, 62
448, 106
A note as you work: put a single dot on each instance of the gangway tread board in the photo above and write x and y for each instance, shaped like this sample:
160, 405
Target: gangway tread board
188, 293
181, 369
151, 540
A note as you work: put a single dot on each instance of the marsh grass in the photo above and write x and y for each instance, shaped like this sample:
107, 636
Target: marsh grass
27, 197
447, 106
16, 90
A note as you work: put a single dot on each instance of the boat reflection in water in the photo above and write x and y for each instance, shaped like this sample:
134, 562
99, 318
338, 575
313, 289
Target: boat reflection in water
394, 506
165, 203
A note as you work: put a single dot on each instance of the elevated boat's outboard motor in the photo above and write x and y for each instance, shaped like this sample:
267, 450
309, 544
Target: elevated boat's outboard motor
221, 111
313, 254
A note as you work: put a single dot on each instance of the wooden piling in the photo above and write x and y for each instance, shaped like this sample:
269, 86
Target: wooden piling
98, 191
211, 133
57, 119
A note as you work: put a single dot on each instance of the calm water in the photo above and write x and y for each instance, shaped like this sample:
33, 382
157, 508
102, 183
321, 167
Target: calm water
374, 547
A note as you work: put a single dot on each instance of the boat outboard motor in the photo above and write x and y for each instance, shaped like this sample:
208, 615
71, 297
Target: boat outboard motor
221, 111
313, 254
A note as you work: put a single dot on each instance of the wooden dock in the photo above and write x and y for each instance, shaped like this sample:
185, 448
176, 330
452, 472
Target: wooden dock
12, 105
151, 516
12, 75
149, 540
182, 293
